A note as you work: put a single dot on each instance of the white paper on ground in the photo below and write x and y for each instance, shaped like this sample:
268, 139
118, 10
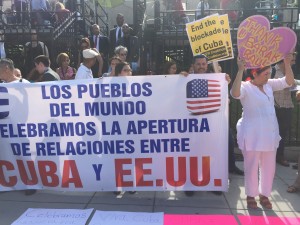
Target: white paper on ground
127, 218
40, 216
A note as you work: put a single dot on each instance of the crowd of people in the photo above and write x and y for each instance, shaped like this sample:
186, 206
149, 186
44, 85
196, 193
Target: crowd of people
258, 133
38, 12
97, 54
265, 99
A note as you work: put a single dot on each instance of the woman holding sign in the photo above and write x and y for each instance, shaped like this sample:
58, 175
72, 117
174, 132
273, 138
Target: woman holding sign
257, 130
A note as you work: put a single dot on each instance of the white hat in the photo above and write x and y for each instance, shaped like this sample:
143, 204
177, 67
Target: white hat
89, 53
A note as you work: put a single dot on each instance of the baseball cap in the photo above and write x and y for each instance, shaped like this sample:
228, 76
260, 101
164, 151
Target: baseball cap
89, 53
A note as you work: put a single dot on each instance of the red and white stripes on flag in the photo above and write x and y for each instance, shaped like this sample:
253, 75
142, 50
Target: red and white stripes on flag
203, 96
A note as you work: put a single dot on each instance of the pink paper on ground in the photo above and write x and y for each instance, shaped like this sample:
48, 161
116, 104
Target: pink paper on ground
268, 220
199, 219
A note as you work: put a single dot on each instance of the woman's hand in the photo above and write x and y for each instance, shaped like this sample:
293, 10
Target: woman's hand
289, 74
288, 59
184, 73
241, 64
236, 86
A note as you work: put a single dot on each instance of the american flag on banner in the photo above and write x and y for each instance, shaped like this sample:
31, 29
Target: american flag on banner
203, 96
4, 103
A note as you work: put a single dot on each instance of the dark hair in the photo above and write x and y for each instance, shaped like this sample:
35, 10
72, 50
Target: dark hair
85, 41
167, 66
201, 56
7, 62
114, 58
280, 61
42, 59
119, 67
260, 70
251, 72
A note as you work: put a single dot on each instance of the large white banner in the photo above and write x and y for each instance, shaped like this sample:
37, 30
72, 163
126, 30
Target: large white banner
123, 133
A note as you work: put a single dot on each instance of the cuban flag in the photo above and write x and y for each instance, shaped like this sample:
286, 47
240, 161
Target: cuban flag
203, 96
4, 103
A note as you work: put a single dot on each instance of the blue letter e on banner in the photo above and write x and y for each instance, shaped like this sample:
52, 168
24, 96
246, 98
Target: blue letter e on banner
4, 103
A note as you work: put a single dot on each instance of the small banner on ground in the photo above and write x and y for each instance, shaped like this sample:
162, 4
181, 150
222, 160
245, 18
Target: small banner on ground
117, 133
127, 218
259, 46
211, 36
39, 216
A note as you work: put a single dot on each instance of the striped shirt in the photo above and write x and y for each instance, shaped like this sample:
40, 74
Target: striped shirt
282, 98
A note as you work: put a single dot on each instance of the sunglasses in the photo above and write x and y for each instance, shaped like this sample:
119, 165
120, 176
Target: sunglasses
127, 70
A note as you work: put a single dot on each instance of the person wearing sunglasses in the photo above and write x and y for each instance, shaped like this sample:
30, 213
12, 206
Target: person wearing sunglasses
121, 52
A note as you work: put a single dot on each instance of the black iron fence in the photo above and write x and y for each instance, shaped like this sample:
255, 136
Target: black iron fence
166, 40
62, 36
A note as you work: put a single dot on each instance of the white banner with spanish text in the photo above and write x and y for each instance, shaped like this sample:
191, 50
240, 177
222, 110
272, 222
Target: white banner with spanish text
138, 133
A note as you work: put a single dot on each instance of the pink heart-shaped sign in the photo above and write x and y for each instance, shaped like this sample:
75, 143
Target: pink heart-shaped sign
259, 46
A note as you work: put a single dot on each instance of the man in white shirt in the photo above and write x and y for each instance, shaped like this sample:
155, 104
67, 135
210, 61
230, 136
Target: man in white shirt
89, 60
17, 73
7, 72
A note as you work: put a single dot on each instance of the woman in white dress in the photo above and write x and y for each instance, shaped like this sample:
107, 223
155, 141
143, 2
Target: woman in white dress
257, 130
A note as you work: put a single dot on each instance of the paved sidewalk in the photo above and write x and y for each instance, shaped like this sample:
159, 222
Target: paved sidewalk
13, 204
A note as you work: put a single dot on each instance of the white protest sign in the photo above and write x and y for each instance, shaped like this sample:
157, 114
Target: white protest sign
127, 218
54, 217
141, 133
